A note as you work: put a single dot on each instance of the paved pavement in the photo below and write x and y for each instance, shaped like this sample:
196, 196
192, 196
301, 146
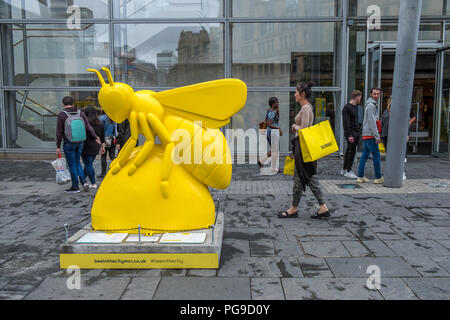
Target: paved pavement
403, 232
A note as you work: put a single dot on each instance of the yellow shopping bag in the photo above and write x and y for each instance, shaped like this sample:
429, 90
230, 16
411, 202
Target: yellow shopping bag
317, 141
381, 147
289, 166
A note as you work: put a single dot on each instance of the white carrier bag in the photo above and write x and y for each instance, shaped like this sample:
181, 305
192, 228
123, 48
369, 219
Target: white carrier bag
62, 175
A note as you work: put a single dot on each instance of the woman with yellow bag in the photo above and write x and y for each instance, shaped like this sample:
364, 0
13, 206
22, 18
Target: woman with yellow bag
305, 172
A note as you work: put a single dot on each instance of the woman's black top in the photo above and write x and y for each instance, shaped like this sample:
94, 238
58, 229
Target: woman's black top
92, 148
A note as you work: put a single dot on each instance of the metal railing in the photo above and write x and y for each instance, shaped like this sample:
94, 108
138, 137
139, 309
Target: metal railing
37, 110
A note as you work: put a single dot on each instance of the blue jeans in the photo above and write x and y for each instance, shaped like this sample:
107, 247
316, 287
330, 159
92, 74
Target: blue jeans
89, 171
72, 151
370, 146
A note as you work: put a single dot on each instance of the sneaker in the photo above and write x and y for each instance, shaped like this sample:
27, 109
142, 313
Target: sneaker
342, 172
93, 186
350, 174
85, 185
404, 177
362, 180
379, 181
73, 190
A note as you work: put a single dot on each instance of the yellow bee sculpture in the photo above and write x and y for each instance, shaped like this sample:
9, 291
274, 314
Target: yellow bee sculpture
144, 187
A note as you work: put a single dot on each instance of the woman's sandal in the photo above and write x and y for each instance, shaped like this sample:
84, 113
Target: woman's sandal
285, 214
318, 215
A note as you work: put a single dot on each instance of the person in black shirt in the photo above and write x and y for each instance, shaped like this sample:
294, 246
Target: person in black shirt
352, 132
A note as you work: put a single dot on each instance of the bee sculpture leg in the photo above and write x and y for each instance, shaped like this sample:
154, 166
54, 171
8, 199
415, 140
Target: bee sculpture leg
167, 165
129, 145
148, 145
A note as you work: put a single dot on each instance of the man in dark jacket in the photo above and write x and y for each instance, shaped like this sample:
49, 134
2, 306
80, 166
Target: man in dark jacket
72, 150
123, 133
351, 132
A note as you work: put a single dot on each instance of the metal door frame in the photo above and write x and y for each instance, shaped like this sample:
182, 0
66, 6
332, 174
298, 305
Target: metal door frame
437, 110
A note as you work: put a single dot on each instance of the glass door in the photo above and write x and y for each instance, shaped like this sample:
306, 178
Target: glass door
442, 114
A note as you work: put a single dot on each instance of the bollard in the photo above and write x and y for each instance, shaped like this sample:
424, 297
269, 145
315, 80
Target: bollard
66, 226
139, 233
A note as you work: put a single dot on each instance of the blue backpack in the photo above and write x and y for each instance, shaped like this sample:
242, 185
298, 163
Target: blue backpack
74, 128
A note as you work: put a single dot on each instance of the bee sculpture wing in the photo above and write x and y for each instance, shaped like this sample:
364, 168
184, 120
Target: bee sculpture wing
212, 102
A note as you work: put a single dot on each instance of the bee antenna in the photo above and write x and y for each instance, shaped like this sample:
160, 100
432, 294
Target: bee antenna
100, 78
108, 74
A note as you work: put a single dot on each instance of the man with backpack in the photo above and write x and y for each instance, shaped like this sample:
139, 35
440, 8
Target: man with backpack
72, 127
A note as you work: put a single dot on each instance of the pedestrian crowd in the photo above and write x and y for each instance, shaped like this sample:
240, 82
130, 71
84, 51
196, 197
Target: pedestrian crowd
91, 132
362, 127
84, 134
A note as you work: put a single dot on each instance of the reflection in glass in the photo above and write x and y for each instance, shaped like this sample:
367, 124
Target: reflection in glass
167, 8
54, 9
31, 120
168, 55
286, 8
280, 54
391, 8
52, 55
324, 105
254, 112
356, 59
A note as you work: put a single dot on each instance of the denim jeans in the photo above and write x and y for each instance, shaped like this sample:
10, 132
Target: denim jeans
370, 146
89, 171
72, 151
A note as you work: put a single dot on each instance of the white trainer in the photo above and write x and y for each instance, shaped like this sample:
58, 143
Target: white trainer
93, 186
350, 174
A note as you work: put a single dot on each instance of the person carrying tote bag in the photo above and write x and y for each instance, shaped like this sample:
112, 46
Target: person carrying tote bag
304, 172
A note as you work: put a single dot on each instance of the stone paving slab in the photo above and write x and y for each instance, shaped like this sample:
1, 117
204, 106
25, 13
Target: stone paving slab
189, 288
335, 289
262, 248
396, 289
266, 289
356, 248
261, 267
324, 249
444, 262
315, 268
100, 288
357, 267
379, 249
426, 267
263, 257
288, 248
411, 186
415, 248
141, 288
430, 288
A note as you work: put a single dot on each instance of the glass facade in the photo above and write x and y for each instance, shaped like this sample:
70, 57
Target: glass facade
168, 55
160, 44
